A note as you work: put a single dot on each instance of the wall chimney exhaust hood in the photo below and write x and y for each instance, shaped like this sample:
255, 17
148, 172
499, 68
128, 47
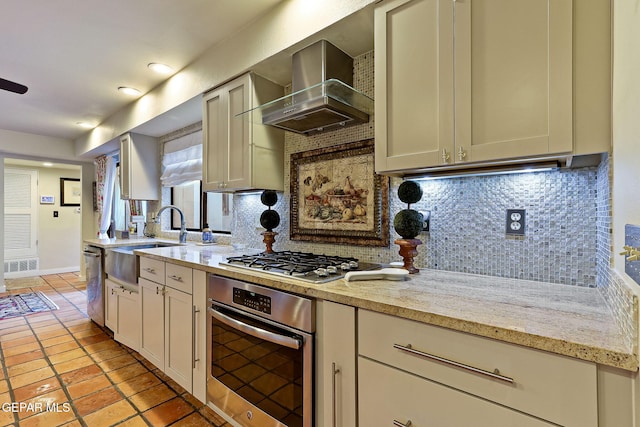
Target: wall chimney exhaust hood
322, 98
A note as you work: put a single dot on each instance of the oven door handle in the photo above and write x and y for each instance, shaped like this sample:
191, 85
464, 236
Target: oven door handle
256, 332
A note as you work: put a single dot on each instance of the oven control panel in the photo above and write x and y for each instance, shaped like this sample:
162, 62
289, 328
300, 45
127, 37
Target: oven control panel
252, 300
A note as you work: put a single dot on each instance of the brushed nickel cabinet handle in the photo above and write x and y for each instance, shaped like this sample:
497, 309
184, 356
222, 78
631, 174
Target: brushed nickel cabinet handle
495, 375
334, 371
176, 278
193, 336
150, 270
397, 423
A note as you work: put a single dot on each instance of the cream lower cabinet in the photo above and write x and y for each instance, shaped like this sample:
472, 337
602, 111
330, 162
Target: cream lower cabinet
391, 397
168, 320
121, 308
335, 365
411, 371
110, 305
489, 80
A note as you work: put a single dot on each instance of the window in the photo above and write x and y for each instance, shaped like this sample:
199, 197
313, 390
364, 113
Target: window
182, 173
188, 198
123, 210
219, 211
216, 209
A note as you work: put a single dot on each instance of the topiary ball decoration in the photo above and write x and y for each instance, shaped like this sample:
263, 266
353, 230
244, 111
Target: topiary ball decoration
269, 198
410, 192
269, 219
408, 223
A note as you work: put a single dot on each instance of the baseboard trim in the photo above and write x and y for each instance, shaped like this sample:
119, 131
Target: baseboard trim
21, 274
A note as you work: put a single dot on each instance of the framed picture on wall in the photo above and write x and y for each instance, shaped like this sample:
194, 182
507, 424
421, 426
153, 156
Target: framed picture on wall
70, 192
336, 196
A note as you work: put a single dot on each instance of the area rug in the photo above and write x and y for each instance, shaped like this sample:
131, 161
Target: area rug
23, 304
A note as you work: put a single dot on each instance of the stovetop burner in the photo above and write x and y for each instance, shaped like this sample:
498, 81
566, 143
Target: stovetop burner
301, 265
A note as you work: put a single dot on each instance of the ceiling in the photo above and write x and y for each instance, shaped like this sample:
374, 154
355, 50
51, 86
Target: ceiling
73, 55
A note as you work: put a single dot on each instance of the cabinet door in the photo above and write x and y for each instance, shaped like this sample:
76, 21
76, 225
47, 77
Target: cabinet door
200, 335
513, 78
139, 167
152, 321
214, 131
388, 397
178, 340
413, 84
125, 166
111, 305
128, 328
239, 150
335, 365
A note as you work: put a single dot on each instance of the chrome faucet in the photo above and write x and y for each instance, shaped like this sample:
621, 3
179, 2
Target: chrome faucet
183, 223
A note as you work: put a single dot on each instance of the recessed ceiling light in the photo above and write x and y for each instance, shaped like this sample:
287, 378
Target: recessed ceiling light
85, 125
160, 68
129, 90
47, 164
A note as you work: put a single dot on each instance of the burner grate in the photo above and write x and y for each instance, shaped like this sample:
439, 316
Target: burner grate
289, 262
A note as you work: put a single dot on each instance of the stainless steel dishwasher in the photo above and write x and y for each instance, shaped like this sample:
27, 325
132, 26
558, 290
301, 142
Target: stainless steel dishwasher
94, 272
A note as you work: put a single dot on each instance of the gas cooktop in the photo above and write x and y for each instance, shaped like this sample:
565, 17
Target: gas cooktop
305, 266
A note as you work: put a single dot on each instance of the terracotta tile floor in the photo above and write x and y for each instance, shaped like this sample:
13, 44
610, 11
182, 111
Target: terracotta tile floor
62, 359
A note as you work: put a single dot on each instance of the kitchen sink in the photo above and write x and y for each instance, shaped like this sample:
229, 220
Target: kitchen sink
121, 263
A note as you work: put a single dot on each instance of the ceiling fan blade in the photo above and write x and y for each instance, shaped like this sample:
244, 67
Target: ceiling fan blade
13, 86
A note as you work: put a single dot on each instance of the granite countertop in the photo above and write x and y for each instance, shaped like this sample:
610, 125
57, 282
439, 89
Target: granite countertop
567, 320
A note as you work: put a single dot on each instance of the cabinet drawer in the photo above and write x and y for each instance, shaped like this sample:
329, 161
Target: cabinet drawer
556, 388
179, 277
152, 269
390, 397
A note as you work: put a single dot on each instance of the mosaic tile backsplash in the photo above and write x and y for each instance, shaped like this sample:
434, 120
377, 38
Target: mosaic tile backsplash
467, 229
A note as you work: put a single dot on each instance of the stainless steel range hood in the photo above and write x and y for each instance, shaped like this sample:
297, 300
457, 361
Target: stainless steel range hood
322, 97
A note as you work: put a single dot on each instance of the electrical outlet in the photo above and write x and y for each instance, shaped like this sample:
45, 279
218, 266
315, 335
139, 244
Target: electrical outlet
515, 222
426, 216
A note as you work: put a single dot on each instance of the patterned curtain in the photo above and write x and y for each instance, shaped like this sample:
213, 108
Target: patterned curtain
106, 172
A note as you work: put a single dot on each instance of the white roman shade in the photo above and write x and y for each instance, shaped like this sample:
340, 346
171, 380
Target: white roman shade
182, 160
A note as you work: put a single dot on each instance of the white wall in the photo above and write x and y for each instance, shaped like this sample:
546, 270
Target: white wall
58, 238
17, 144
2, 286
626, 136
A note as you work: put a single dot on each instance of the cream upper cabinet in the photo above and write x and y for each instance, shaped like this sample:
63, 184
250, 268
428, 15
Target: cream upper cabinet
413, 83
239, 154
139, 167
475, 81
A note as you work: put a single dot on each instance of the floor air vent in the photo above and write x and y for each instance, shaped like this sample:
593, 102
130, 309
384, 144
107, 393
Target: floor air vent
20, 265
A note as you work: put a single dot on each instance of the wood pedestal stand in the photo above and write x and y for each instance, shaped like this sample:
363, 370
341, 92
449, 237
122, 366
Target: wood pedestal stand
408, 252
269, 239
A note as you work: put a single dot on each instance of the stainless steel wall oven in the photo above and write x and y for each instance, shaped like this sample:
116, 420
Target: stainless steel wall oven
260, 354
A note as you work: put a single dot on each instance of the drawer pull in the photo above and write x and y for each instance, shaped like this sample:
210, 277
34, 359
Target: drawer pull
397, 423
194, 337
494, 375
335, 371
176, 278
150, 270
